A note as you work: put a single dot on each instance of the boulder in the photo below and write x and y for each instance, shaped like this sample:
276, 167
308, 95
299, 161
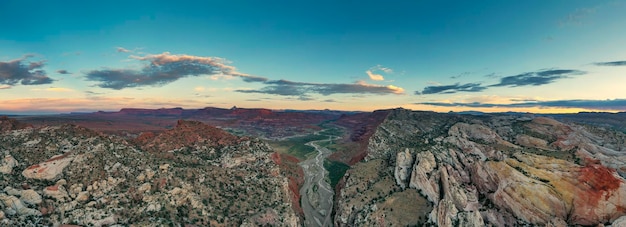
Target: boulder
57, 192
620, 222
7, 164
82, 196
145, 187
12, 191
50, 169
14, 206
30, 196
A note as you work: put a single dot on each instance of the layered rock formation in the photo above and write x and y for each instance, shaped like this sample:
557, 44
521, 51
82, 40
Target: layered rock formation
192, 174
486, 170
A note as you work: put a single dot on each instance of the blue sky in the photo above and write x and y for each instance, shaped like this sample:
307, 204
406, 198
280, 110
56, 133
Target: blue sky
538, 56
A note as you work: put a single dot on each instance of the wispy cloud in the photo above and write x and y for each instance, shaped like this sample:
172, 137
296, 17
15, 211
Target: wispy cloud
492, 75
305, 98
166, 68
90, 93
450, 89
302, 89
611, 63
122, 50
4, 86
577, 17
23, 72
609, 104
54, 89
461, 75
373, 75
63, 71
536, 78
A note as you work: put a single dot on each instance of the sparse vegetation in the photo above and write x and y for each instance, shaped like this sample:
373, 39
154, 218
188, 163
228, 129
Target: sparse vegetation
336, 170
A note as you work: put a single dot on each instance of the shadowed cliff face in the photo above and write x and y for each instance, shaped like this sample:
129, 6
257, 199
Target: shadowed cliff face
360, 127
485, 170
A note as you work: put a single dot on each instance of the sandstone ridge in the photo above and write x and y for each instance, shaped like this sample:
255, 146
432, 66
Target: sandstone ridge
501, 170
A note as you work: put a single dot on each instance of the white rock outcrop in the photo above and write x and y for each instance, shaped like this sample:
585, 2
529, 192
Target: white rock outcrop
422, 172
57, 192
30, 196
14, 206
620, 222
50, 169
404, 162
8, 162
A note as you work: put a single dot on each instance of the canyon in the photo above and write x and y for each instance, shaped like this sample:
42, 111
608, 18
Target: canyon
393, 167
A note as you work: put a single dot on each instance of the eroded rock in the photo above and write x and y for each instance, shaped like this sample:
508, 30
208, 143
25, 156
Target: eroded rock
50, 169
14, 206
404, 163
7, 164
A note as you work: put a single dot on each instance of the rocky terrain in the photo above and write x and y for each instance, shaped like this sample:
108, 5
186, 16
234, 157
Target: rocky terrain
192, 174
407, 168
491, 170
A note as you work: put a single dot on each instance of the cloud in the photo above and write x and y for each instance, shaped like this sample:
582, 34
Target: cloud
536, 78
89, 93
302, 89
199, 88
609, 104
305, 98
374, 76
25, 73
377, 76
166, 68
525, 79
122, 50
63, 71
577, 17
4, 86
461, 75
54, 89
611, 63
492, 75
450, 89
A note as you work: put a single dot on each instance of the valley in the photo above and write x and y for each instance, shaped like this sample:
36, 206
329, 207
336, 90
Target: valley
317, 199
386, 168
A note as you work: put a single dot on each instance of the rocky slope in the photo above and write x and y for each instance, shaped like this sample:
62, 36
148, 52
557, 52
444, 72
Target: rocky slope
192, 174
8, 124
497, 170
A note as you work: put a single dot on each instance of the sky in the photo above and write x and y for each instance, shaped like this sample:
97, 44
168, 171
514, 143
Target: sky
555, 56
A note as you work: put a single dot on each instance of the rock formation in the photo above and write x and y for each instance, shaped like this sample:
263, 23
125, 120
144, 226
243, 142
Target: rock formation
487, 170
